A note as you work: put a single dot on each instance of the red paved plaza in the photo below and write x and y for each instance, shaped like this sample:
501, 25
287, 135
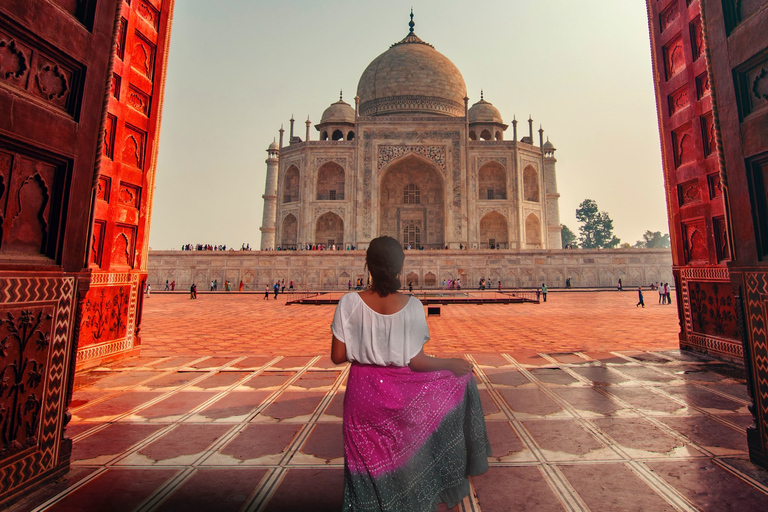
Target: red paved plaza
246, 324
234, 405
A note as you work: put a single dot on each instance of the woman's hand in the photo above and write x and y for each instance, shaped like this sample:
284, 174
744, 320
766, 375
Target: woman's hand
460, 366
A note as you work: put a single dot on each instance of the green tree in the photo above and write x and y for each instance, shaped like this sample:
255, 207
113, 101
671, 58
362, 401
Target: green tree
653, 240
567, 236
596, 231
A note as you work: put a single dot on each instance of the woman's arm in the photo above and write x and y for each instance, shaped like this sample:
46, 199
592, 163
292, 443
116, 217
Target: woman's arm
338, 351
424, 363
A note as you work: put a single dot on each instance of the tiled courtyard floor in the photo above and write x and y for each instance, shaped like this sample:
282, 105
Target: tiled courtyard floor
234, 405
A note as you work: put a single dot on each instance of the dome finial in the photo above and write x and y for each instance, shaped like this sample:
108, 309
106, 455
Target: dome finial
411, 23
341, 94
481, 95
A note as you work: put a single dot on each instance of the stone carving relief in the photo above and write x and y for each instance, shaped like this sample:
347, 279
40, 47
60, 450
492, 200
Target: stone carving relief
674, 58
50, 78
115, 86
123, 246
697, 38
148, 13
97, 242
25, 339
320, 210
130, 195
695, 242
702, 85
26, 189
138, 101
721, 239
104, 314
133, 147
678, 100
688, 192
683, 145
342, 161
481, 161
668, 16
434, 153
712, 309
143, 56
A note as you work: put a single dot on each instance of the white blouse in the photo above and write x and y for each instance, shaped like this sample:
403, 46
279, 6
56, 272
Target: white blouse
373, 338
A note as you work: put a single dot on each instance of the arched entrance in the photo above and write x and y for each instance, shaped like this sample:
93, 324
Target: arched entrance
289, 232
412, 203
329, 230
494, 231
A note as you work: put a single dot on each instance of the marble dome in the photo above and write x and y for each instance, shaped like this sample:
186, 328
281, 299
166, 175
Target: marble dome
484, 112
411, 77
339, 112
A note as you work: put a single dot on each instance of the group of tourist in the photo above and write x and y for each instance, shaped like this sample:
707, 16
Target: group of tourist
277, 287
315, 247
452, 284
204, 247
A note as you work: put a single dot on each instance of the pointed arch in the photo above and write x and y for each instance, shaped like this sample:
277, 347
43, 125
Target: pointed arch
486, 135
494, 230
492, 181
291, 185
289, 232
330, 182
533, 231
531, 184
329, 230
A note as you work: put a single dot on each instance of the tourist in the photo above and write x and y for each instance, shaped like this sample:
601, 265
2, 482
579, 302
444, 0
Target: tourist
402, 451
668, 293
282, 284
167, 286
410, 286
215, 285
544, 291
662, 297
277, 289
443, 283
173, 285
640, 296
458, 284
148, 289
499, 284
211, 285
349, 285
193, 291
266, 292
241, 285
619, 284
290, 286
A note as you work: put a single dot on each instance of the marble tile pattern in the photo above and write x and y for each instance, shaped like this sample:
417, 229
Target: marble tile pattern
627, 430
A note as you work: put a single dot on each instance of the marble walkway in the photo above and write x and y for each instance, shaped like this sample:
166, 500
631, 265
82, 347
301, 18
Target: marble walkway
235, 406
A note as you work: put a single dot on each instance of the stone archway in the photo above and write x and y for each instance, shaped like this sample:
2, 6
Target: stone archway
411, 200
533, 231
494, 231
329, 230
330, 182
289, 232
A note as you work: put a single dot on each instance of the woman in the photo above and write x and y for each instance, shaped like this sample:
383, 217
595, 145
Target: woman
413, 424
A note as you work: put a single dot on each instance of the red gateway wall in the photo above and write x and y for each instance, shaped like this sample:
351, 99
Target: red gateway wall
111, 316
54, 63
696, 210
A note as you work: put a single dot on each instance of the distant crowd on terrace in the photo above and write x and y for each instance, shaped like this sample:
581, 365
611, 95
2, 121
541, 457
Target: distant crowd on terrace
209, 247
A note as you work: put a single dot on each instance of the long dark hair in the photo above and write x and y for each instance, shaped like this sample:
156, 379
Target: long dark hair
384, 260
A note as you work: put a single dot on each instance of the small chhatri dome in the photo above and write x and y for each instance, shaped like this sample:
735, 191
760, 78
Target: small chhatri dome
339, 112
273, 146
548, 145
411, 77
484, 112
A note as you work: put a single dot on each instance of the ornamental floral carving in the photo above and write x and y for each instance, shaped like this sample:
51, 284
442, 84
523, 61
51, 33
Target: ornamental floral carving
24, 342
434, 153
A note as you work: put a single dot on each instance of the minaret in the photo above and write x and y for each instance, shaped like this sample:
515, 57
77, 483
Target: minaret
309, 123
269, 216
554, 240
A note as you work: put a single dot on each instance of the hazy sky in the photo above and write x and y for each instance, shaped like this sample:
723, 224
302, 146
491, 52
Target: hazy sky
239, 68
